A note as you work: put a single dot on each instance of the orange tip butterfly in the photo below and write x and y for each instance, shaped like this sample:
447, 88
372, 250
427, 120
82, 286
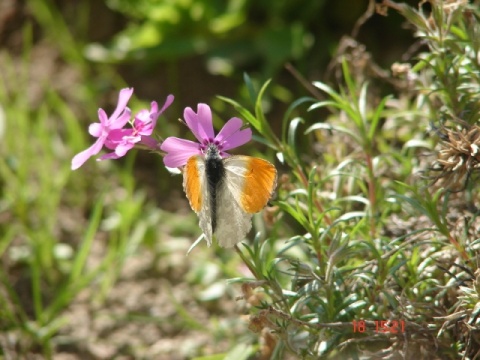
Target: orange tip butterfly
226, 192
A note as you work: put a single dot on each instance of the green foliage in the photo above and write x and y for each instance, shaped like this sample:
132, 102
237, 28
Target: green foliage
226, 32
451, 64
339, 264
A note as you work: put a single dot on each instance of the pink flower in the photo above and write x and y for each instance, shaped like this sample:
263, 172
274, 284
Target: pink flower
123, 140
200, 123
112, 134
101, 130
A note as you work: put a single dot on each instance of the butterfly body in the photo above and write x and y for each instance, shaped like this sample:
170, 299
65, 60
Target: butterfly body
226, 192
214, 174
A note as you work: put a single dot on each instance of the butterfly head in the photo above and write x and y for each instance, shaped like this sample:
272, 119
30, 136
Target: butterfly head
212, 152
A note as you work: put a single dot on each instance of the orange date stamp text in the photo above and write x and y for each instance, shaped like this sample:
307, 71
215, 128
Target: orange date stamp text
379, 326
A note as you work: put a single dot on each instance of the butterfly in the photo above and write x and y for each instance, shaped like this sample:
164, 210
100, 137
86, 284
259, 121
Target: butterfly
226, 192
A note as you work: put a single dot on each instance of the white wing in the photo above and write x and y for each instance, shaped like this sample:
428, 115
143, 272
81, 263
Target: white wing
233, 223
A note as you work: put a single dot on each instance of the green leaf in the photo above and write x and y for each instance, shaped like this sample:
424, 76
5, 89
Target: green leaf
352, 89
264, 127
324, 87
250, 88
291, 108
376, 117
362, 105
244, 113
413, 16
86, 244
296, 213
324, 126
292, 131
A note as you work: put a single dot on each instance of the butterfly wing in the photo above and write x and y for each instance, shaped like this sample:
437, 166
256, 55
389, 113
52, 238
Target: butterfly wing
252, 180
232, 222
246, 189
195, 187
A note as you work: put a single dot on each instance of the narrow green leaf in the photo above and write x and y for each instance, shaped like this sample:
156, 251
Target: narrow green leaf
351, 215
324, 126
244, 113
264, 126
250, 88
86, 244
362, 104
352, 89
311, 193
292, 131
324, 87
291, 108
414, 16
376, 117
295, 213
414, 203
324, 103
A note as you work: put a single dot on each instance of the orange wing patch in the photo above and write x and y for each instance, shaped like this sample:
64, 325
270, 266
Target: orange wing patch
191, 183
260, 181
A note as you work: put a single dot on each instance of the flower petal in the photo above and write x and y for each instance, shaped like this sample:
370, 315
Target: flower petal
241, 137
122, 120
144, 116
125, 146
108, 156
116, 137
95, 129
168, 102
153, 115
123, 98
200, 123
174, 144
103, 117
151, 122
229, 129
144, 123
178, 151
231, 136
150, 142
79, 159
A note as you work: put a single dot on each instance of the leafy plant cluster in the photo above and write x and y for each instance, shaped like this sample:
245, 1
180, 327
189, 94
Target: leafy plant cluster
374, 237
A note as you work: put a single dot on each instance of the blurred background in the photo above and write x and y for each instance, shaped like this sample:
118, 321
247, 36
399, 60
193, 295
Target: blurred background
93, 262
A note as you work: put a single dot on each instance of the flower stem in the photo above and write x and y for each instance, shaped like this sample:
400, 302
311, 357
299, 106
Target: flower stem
247, 262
